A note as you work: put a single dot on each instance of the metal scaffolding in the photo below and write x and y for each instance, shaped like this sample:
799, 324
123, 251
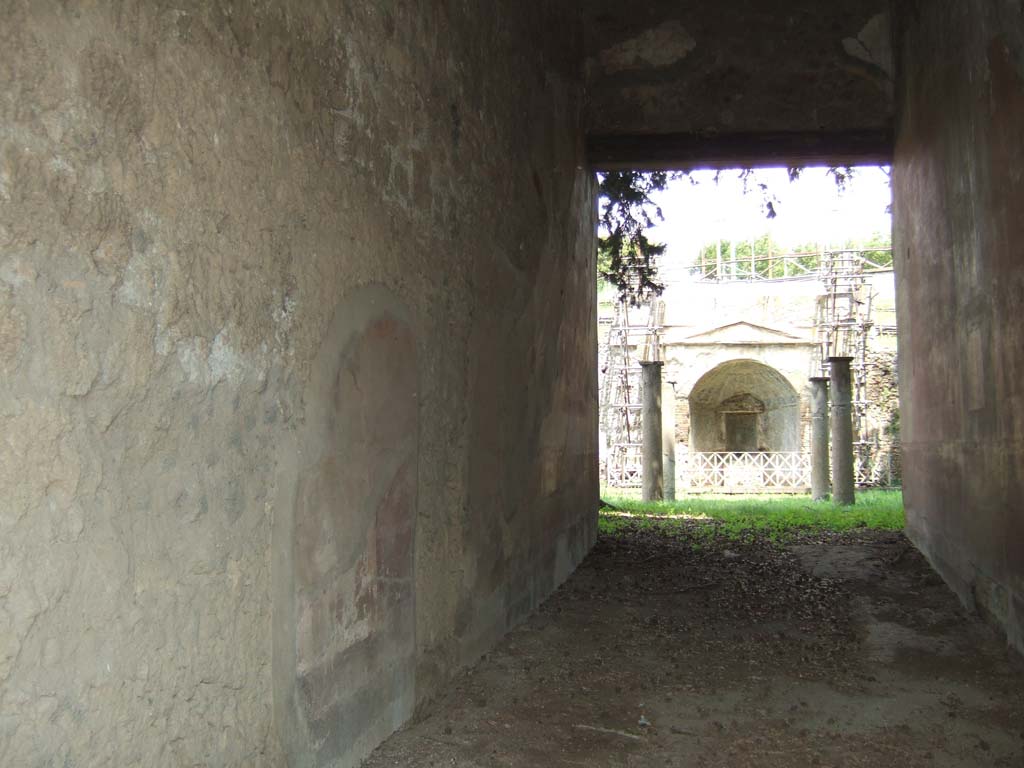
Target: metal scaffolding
843, 326
633, 336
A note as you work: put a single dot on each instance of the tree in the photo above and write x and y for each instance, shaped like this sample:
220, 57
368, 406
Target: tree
877, 248
625, 255
761, 248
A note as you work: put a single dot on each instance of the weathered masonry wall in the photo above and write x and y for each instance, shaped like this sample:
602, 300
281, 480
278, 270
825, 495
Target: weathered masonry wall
740, 66
266, 479
960, 269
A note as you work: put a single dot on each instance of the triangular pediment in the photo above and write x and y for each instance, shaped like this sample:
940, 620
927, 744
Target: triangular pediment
743, 332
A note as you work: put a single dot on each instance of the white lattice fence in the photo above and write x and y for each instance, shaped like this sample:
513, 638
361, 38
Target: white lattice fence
624, 466
875, 469
726, 472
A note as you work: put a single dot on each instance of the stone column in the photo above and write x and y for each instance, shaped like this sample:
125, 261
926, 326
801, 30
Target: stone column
668, 438
819, 438
653, 476
842, 431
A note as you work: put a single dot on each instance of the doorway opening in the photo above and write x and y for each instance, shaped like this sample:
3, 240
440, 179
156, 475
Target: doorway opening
777, 267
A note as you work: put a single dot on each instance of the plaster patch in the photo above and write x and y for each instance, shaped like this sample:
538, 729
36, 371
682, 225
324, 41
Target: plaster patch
60, 165
18, 273
659, 47
191, 358
142, 283
284, 316
872, 44
13, 329
224, 362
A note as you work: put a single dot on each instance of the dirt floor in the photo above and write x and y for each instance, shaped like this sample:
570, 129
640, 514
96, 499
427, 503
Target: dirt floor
688, 650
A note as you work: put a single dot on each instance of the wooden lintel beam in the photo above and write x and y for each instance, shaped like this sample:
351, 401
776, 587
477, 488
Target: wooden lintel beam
687, 151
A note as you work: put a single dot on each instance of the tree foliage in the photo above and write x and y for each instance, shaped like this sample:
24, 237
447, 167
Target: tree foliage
626, 257
766, 253
877, 248
762, 246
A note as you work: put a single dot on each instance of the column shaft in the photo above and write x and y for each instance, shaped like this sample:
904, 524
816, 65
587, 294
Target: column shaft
819, 438
668, 439
653, 475
842, 431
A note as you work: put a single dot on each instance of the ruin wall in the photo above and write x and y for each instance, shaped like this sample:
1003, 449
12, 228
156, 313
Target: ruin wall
960, 295
267, 481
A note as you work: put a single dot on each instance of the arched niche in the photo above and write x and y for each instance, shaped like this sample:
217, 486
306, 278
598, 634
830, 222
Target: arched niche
744, 405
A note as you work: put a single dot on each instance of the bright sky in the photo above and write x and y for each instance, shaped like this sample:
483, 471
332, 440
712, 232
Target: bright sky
808, 209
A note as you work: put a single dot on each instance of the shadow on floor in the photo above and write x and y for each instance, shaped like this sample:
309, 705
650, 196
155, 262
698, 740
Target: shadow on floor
680, 649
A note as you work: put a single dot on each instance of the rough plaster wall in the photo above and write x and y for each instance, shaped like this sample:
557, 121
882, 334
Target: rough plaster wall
959, 193
742, 65
190, 199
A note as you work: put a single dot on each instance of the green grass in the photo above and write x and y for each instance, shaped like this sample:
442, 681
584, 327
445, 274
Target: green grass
777, 517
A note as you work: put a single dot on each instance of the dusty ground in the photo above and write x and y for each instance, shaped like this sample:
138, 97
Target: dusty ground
833, 650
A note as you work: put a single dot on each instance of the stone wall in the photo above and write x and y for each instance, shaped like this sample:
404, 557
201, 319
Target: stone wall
959, 193
267, 480
682, 418
880, 426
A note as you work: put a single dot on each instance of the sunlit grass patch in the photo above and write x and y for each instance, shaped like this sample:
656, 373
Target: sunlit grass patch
741, 516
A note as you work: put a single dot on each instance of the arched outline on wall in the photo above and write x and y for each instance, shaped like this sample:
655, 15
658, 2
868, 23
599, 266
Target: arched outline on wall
343, 544
780, 420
